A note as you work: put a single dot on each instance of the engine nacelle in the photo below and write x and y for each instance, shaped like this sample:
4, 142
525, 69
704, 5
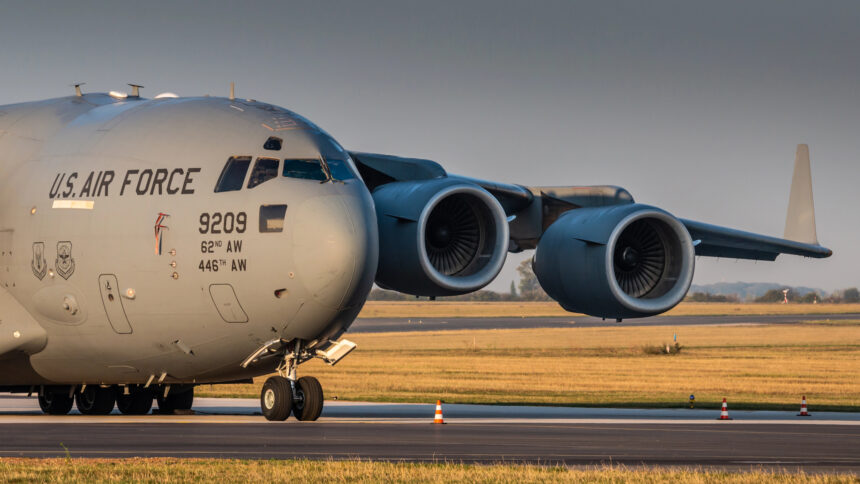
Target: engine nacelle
623, 261
439, 237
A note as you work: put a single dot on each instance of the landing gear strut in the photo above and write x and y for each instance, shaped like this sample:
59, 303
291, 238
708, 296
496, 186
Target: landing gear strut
285, 394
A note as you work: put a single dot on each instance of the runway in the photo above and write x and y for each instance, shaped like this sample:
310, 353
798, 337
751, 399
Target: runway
234, 428
473, 433
379, 325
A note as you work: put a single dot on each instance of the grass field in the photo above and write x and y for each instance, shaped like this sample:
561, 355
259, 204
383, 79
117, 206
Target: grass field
453, 309
757, 366
159, 470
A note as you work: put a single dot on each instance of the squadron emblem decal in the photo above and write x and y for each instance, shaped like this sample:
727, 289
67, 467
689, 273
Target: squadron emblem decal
159, 228
38, 263
65, 262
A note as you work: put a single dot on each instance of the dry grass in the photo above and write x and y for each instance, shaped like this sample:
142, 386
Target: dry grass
160, 470
759, 366
449, 309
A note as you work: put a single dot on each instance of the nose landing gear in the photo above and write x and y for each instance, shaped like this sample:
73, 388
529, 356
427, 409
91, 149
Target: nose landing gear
284, 394
308, 404
276, 399
280, 397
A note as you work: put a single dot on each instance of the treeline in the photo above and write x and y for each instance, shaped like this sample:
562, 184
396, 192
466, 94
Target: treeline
383, 295
850, 295
707, 297
527, 290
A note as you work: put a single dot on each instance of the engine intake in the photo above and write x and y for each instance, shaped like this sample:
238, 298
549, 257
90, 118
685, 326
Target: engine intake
438, 237
616, 262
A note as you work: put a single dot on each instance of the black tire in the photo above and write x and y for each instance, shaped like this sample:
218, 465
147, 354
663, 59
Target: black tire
176, 400
56, 403
309, 402
137, 402
276, 398
95, 400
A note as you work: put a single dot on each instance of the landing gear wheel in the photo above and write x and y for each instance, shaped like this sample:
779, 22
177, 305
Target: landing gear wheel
95, 400
137, 402
276, 399
55, 403
175, 400
309, 399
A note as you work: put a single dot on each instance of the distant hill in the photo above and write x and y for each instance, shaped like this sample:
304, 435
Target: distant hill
750, 290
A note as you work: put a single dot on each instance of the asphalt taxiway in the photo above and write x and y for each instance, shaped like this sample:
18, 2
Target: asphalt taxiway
473, 433
379, 325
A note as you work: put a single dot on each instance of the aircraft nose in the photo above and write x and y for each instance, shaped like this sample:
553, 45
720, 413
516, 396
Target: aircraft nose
335, 246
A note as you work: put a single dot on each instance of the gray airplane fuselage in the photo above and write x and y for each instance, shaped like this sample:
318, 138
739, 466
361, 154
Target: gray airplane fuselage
115, 241
201, 240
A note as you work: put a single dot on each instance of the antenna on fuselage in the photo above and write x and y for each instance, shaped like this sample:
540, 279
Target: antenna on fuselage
232, 91
135, 90
77, 87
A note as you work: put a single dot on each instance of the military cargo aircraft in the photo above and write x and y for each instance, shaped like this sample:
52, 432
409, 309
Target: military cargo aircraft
151, 245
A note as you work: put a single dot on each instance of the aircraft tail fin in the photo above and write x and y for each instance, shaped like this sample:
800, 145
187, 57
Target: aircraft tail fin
800, 220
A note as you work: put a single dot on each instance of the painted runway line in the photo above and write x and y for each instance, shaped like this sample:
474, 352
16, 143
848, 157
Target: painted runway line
232, 428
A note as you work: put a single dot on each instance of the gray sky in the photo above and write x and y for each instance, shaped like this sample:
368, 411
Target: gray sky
695, 107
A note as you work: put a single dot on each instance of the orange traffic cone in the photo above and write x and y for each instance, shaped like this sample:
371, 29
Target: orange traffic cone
803, 412
724, 414
438, 418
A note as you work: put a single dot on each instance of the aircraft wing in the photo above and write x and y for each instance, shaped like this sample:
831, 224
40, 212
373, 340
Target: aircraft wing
714, 241
531, 210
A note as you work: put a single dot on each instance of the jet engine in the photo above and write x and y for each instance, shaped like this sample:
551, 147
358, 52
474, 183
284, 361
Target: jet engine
622, 261
438, 237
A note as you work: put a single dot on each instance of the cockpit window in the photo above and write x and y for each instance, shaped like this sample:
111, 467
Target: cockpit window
233, 176
307, 169
337, 159
340, 169
264, 170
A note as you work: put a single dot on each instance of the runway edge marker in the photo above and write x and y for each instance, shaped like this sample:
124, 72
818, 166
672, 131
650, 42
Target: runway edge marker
724, 413
803, 411
437, 419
